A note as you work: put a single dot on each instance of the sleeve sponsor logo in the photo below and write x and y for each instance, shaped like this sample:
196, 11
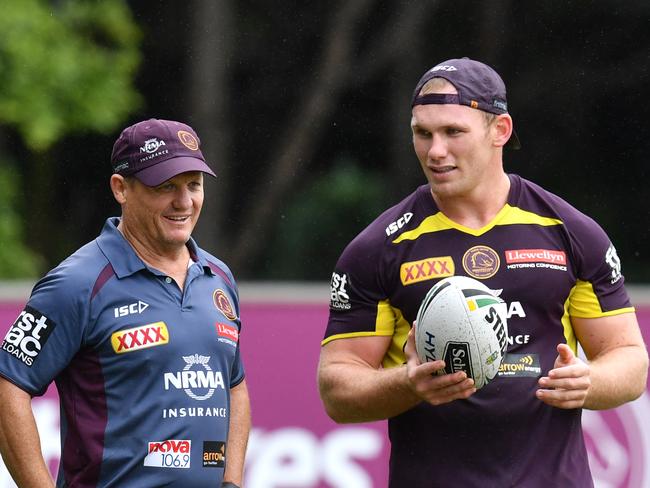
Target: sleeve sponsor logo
171, 453
339, 298
197, 379
481, 262
611, 257
520, 366
222, 302
426, 269
227, 332
28, 335
140, 337
214, 454
536, 258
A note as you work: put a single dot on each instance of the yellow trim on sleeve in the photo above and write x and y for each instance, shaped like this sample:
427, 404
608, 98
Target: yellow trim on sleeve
583, 303
569, 334
350, 335
389, 322
385, 321
395, 355
384, 324
508, 215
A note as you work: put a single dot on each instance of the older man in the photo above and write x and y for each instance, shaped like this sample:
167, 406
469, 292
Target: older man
139, 329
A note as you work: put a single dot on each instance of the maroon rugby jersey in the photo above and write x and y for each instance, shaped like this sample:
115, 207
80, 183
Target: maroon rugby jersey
550, 262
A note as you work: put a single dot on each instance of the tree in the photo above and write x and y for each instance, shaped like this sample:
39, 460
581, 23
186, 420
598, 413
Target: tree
65, 68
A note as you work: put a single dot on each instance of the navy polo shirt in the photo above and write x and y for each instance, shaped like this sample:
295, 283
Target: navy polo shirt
143, 368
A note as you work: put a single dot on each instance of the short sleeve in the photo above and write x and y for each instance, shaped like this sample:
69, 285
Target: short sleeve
357, 296
600, 288
46, 334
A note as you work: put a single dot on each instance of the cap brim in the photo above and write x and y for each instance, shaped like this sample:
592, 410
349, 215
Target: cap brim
165, 170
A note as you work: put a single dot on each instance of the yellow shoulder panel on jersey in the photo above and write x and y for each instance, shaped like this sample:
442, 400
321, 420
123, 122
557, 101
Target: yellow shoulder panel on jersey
569, 335
384, 324
350, 335
507, 216
390, 322
584, 303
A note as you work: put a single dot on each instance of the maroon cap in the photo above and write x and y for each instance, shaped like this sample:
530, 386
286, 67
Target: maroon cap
478, 86
156, 150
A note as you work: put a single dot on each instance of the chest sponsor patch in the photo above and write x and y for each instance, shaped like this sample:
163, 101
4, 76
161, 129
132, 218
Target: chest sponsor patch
214, 454
222, 302
141, 337
481, 262
172, 453
28, 335
536, 258
520, 366
426, 269
228, 332
196, 379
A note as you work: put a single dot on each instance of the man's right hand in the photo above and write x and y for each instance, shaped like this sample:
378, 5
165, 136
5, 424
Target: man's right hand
426, 382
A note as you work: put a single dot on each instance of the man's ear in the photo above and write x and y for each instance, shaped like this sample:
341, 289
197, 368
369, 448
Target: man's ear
502, 127
119, 187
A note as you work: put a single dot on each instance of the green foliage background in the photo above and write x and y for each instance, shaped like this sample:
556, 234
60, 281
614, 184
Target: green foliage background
332, 209
65, 68
16, 260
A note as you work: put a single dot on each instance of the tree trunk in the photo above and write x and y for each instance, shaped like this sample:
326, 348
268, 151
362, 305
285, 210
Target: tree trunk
211, 40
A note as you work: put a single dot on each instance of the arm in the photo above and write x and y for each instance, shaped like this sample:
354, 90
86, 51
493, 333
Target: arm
616, 371
354, 387
239, 427
19, 441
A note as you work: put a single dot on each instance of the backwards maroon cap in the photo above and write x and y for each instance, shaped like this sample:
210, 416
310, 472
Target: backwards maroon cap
477, 85
156, 150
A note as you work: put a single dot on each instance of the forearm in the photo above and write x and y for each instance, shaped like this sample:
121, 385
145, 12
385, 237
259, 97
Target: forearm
19, 440
239, 428
617, 376
359, 393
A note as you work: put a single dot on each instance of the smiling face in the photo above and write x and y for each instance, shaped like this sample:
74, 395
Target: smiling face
159, 219
458, 148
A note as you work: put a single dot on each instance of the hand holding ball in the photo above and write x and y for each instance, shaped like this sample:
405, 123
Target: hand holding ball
463, 322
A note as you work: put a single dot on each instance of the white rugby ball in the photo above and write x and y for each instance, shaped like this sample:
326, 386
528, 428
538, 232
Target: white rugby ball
463, 322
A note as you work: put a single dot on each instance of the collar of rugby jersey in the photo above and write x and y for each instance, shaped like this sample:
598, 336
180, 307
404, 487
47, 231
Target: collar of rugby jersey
123, 257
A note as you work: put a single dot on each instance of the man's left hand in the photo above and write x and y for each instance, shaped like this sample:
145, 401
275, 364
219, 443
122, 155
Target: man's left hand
568, 383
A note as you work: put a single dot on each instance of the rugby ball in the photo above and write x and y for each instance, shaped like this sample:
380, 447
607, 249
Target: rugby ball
463, 322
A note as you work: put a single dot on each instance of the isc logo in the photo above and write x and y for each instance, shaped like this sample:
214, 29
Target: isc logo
28, 335
444, 67
130, 309
398, 224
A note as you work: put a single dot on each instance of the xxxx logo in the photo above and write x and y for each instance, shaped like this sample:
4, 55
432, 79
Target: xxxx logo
426, 269
141, 337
